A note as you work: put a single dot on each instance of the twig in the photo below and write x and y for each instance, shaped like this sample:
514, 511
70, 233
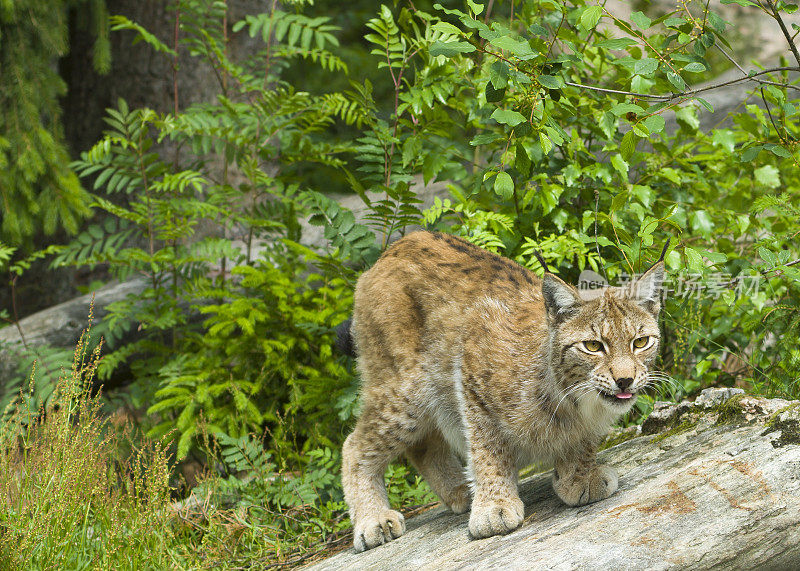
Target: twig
777, 16
692, 92
620, 92
15, 313
771, 118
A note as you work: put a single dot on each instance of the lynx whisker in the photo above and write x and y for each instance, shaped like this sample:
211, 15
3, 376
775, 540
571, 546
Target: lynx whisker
657, 377
572, 389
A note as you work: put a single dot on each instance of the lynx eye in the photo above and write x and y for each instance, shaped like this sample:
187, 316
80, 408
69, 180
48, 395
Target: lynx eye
593, 346
641, 342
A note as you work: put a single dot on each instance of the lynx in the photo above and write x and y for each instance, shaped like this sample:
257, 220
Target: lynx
473, 367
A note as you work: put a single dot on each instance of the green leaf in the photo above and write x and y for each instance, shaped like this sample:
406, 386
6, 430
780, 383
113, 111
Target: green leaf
655, 123
185, 442
522, 162
676, 81
591, 16
628, 145
645, 66
485, 139
751, 152
725, 139
450, 49
475, 7
768, 176
641, 130
641, 21
498, 74
619, 200
704, 103
687, 117
702, 222
494, 95
447, 28
621, 165
624, 108
778, 150
695, 67
504, 186
694, 260
520, 49
616, 43
768, 256
546, 144
550, 82
508, 117
607, 124
675, 22
715, 257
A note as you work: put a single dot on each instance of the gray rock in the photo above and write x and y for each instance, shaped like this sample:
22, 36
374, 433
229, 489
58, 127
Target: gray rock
715, 396
720, 489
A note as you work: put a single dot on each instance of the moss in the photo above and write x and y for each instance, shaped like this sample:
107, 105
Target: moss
789, 427
730, 411
618, 438
684, 426
774, 418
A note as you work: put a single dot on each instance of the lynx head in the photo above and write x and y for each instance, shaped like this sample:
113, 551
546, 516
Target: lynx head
603, 342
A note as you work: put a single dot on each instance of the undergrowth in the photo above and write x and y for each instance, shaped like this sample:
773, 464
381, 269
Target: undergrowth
76, 490
82, 490
557, 126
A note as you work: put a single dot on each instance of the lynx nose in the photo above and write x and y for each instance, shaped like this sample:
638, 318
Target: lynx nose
624, 383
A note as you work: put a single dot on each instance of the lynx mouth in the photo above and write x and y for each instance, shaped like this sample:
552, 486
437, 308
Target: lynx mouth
621, 398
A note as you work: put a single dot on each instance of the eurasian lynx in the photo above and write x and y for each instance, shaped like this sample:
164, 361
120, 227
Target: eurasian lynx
467, 357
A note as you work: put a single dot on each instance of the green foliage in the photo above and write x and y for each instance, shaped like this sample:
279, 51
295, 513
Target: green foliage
262, 349
266, 351
38, 191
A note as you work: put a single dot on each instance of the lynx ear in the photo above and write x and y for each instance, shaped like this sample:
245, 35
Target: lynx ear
560, 299
647, 289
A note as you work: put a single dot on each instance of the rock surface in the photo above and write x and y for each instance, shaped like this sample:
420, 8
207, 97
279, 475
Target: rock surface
709, 484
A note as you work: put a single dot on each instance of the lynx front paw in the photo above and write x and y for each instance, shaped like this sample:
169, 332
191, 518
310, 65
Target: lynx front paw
576, 488
373, 530
495, 517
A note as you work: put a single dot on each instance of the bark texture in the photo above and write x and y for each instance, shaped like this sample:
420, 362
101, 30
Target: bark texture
713, 484
58, 326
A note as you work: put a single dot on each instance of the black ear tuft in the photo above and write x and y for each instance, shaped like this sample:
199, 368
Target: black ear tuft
560, 299
647, 289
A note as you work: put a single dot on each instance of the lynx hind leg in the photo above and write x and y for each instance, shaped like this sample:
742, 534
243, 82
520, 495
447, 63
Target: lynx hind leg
441, 468
379, 437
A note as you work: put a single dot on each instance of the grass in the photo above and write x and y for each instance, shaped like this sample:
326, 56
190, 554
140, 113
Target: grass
80, 490
69, 497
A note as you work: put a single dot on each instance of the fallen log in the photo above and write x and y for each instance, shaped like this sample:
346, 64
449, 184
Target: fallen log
713, 483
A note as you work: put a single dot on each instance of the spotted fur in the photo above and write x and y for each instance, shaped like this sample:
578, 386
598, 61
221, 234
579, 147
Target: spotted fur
473, 367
